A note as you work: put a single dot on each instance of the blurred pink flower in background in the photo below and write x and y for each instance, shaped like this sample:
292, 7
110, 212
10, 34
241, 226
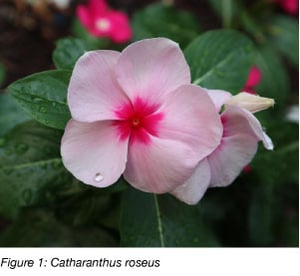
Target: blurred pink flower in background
290, 6
253, 80
241, 134
135, 113
101, 21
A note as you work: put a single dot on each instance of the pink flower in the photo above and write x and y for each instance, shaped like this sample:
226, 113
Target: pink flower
241, 134
253, 80
290, 6
135, 113
101, 21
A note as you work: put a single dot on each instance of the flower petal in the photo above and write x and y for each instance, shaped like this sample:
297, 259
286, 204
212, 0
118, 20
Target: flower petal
254, 77
190, 117
97, 8
152, 68
219, 97
159, 166
194, 188
92, 152
238, 147
120, 30
228, 160
84, 16
94, 93
255, 125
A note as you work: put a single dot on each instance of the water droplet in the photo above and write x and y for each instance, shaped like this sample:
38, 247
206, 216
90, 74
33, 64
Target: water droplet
98, 177
27, 196
2, 142
43, 109
21, 148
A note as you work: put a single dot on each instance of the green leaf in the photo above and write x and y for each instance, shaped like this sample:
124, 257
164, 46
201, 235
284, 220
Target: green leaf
29, 164
283, 33
159, 20
2, 73
281, 165
274, 171
227, 9
40, 228
220, 60
274, 83
67, 51
149, 220
10, 113
43, 96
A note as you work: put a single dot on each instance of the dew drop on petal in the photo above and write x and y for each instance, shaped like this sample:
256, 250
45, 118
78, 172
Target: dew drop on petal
98, 177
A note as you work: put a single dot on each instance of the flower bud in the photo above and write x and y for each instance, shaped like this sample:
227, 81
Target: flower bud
252, 103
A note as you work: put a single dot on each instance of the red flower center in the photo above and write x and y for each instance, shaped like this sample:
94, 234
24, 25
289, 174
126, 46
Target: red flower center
138, 121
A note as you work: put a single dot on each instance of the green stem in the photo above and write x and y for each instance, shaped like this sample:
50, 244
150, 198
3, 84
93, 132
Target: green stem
160, 229
226, 13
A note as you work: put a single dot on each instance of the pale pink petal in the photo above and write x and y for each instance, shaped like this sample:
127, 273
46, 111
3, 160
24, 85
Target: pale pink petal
229, 159
94, 93
194, 188
159, 166
238, 147
92, 152
152, 68
219, 97
253, 123
84, 16
190, 117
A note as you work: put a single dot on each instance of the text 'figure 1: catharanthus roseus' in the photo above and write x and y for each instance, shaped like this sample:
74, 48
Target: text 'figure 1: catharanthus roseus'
136, 113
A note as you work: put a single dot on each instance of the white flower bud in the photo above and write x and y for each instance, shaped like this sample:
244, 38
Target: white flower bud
252, 103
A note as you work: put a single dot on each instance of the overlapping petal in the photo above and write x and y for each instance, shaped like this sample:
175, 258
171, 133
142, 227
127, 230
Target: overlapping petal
253, 123
194, 188
161, 166
152, 68
92, 153
237, 148
93, 93
219, 97
190, 117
